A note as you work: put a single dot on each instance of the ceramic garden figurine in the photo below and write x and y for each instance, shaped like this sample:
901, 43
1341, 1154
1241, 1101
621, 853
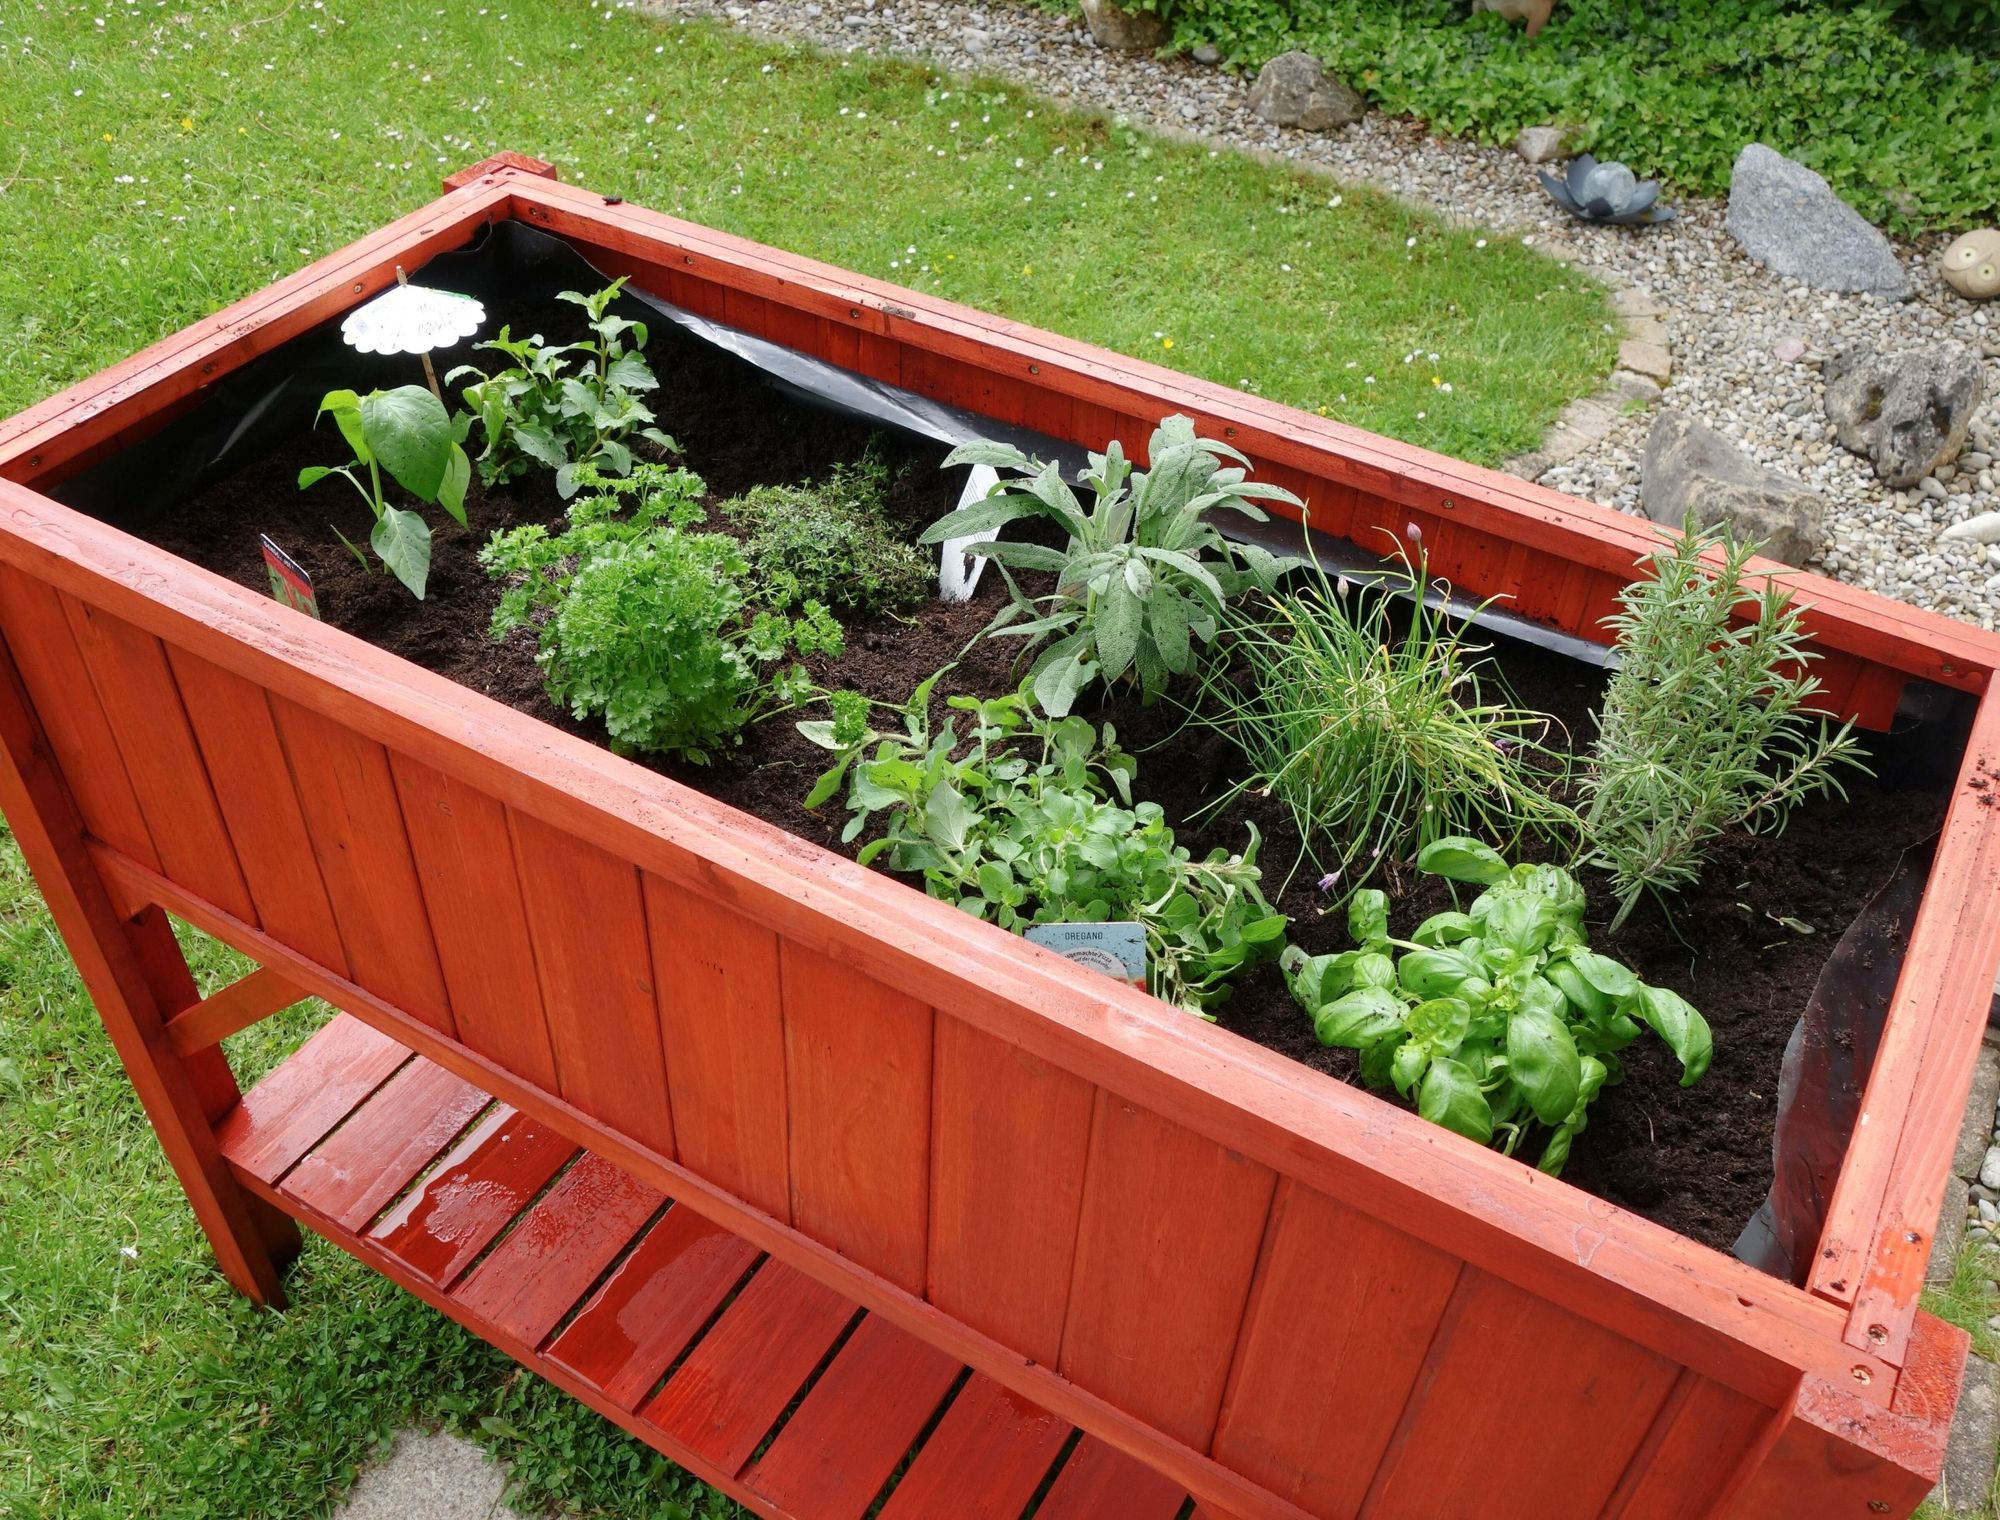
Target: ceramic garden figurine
1971, 266
1534, 12
1606, 192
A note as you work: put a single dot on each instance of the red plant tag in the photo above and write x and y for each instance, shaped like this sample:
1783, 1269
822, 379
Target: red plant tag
289, 584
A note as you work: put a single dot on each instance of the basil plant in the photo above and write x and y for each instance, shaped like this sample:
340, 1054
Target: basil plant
1495, 1019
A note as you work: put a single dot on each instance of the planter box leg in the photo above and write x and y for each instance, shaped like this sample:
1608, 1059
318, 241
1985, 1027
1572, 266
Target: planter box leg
137, 977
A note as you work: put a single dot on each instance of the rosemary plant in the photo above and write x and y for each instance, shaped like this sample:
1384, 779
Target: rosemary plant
1705, 727
1382, 738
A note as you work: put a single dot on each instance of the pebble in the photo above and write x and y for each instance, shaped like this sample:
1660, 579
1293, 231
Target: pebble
1989, 1169
1725, 317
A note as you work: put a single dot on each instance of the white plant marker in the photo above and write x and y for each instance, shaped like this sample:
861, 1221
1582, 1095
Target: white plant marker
412, 319
958, 572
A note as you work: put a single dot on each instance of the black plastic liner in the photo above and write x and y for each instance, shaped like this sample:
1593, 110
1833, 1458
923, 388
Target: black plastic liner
277, 395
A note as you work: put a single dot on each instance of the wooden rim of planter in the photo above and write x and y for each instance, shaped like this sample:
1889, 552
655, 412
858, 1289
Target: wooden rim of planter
1851, 1329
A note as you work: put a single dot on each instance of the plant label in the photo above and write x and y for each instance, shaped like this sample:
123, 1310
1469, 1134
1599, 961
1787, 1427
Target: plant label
958, 572
289, 584
1115, 949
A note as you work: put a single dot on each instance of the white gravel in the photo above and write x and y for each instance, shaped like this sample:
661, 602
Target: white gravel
1723, 315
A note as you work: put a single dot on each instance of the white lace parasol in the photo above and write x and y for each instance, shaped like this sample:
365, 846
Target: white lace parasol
412, 319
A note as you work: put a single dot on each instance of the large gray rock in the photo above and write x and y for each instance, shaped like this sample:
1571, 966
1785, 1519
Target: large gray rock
1115, 27
1543, 145
1788, 218
1295, 90
1908, 413
1689, 467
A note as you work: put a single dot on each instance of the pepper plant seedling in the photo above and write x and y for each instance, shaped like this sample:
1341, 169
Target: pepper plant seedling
1496, 1018
407, 432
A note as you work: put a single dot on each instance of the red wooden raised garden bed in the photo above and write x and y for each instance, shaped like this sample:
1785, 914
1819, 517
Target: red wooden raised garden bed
1059, 1238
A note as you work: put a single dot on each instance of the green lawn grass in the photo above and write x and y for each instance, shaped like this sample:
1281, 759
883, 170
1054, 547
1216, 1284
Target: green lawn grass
158, 161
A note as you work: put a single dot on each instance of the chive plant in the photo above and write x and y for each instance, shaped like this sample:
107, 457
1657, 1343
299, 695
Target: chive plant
1705, 725
1381, 730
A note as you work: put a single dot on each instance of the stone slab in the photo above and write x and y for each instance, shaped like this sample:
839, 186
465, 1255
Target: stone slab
1977, 1131
430, 1477
1966, 1488
1649, 359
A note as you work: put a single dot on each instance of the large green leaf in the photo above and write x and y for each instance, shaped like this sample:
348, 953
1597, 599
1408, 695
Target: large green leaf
992, 512
1119, 615
1451, 1097
1359, 1018
345, 409
1686, 1032
1457, 858
403, 541
410, 433
1543, 1060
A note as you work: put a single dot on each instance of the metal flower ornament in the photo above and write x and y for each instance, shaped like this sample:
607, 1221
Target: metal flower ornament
1608, 193
412, 319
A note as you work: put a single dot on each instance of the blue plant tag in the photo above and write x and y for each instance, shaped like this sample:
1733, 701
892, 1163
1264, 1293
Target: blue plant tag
1115, 949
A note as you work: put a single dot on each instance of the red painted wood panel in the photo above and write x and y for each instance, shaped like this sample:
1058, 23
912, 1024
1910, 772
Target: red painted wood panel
1010, 1136
356, 825
129, 672
1169, 1241
59, 687
294, 1108
653, 1305
358, 1170
1339, 1322
253, 784
856, 1425
984, 1461
1099, 1482
722, 1025
1586, 1400
1700, 1440
858, 1074
441, 1226
464, 857
558, 1249
735, 1384
588, 927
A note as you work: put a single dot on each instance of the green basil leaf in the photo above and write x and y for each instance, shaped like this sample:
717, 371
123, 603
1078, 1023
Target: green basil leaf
1359, 1018
1444, 929
1588, 1001
1368, 916
1451, 1097
1441, 1023
1436, 973
1543, 1061
1686, 1032
1407, 1066
1373, 969
1603, 973
1457, 858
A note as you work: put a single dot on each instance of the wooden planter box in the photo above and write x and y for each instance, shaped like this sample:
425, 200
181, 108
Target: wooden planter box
1012, 1185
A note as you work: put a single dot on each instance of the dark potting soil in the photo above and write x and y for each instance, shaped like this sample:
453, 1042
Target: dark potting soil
1695, 1159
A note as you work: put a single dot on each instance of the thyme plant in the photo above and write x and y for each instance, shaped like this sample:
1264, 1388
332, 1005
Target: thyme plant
1380, 734
1705, 726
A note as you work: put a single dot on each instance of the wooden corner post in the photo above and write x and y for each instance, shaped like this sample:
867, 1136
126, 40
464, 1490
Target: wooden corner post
137, 977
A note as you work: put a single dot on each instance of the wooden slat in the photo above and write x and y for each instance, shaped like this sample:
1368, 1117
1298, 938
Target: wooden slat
253, 786
856, 1426
441, 1226
653, 1305
1340, 1320
69, 713
360, 1169
464, 857
1558, 1450
858, 1074
1099, 1482
294, 1108
1010, 1136
1702, 1437
1169, 1239
558, 1249
722, 1025
142, 705
349, 803
588, 927
984, 1461
734, 1385
235, 1007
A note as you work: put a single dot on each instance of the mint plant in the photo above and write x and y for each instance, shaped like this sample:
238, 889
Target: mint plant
647, 624
1496, 1019
1032, 822
566, 406
1145, 575
407, 432
1705, 727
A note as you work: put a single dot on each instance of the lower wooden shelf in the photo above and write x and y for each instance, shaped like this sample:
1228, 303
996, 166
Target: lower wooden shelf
765, 1383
